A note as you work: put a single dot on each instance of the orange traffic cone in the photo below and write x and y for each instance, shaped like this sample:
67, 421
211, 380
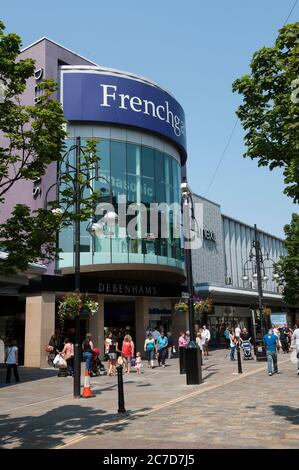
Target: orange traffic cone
87, 393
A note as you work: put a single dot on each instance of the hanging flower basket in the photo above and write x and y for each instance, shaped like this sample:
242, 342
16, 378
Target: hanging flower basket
267, 311
181, 307
75, 303
203, 305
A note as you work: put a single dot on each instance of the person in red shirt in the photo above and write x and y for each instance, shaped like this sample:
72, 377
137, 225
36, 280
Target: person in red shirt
127, 352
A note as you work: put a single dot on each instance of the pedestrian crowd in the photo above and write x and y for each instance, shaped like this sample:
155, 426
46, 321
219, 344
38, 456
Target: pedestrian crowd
158, 345
61, 354
278, 339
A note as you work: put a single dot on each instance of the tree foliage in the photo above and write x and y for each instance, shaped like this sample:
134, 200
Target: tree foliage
270, 109
34, 137
288, 266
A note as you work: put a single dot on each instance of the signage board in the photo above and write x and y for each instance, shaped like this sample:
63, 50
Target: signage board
185, 295
278, 319
92, 95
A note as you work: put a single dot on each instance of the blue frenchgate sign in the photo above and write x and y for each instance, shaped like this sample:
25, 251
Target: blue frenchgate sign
93, 96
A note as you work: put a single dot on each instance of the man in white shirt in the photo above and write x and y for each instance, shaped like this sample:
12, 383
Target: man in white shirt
295, 342
12, 361
237, 332
206, 336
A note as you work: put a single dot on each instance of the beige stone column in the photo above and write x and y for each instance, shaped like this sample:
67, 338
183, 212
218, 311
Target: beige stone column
39, 327
141, 322
96, 325
179, 320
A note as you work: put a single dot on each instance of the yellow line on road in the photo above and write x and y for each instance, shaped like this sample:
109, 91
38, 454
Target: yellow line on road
107, 427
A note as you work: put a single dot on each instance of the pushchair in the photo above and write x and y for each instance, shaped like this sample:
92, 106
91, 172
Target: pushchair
96, 366
246, 347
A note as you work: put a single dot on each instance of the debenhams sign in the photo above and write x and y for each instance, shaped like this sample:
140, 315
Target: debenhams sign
94, 96
126, 289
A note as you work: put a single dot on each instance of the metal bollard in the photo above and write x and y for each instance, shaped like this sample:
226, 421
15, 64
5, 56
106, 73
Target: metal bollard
239, 359
182, 358
120, 386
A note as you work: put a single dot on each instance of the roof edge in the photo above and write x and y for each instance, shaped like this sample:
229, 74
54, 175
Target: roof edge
44, 38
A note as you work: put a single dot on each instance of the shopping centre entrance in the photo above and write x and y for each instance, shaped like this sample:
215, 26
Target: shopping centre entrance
119, 314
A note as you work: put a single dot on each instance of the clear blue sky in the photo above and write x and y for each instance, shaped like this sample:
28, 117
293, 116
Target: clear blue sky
195, 49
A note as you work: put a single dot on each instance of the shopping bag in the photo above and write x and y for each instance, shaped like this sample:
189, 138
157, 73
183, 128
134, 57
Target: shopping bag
56, 360
62, 363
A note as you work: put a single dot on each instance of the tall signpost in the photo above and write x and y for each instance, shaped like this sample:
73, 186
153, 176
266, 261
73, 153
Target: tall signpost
193, 357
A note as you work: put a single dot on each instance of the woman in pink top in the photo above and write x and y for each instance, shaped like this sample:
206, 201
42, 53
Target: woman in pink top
127, 352
68, 355
182, 340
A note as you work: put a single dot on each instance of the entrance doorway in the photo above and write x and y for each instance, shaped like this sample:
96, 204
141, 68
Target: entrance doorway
120, 315
218, 324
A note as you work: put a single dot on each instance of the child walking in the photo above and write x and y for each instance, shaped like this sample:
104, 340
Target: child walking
138, 363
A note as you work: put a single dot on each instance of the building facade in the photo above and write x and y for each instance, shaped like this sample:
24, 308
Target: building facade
141, 138
224, 271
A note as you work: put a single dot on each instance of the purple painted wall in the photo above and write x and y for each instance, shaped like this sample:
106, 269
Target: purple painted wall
48, 56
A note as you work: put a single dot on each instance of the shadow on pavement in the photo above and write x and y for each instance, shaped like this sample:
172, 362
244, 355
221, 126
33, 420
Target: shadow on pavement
52, 428
111, 387
207, 366
289, 413
27, 374
209, 375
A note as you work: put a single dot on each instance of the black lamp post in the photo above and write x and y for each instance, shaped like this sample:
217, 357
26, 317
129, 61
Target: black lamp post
257, 259
193, 353
72, 178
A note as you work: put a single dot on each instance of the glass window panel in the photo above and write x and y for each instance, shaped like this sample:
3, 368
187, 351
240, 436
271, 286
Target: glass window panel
66, 239
132, 186
118, 167
169, 167
85, 238
103, 151
103, 182
133, 151
166, 168
147, 190
176, 184
147, 162
159, 166
159, 177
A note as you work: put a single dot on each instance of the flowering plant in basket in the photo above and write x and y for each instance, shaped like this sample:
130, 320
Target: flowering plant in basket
203, 305
75, 302
181, 307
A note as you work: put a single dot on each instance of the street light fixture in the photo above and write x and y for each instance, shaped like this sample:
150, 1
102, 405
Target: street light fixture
193, 356
257, 259
72, 178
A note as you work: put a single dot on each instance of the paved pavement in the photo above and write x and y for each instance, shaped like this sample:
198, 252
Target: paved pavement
229, 410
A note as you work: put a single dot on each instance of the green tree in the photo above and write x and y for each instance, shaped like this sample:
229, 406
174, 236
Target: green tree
269, 115
270, 109
33, 138
288, 266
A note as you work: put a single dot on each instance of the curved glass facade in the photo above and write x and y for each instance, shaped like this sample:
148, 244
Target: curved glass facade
144, 175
